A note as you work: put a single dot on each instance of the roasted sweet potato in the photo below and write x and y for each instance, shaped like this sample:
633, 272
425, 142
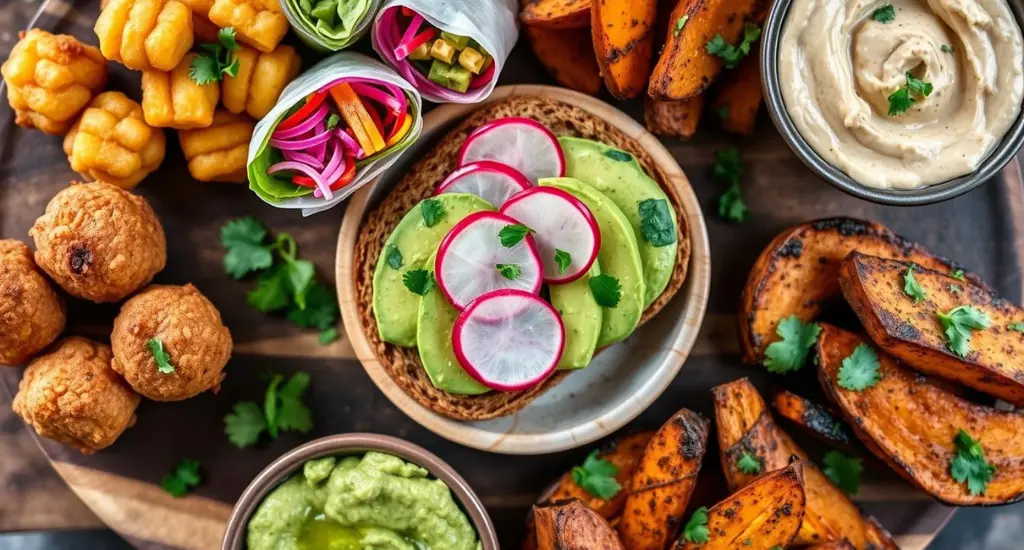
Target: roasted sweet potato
571, 525
911, 424
676, 119
816, 420
798, 274
911, 331
623, 33
746, 426
838, 545
763, 515
568, 56
556, 14
738, 96
664, 479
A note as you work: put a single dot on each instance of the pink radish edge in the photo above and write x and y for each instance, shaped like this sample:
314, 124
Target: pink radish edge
515, 120
485, 165
468, 367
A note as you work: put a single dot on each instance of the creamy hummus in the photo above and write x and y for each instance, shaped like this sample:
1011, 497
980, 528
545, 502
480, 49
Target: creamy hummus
838, 66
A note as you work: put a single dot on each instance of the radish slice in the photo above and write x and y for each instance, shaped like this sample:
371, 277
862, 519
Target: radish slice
487, 179
509, 340
469, 257
561, 223
524, 144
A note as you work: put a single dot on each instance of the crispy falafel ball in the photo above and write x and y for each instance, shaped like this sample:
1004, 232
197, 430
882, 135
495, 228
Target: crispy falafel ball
188, 328
71, 395
99, 242
31, 312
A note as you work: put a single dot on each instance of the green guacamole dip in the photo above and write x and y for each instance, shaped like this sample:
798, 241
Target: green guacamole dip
373, 502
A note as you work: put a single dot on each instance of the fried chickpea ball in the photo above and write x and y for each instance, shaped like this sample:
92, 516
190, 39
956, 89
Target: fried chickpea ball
258, 23
145, 34
174, 100
50, 79
31, 312
261, 78
189, 329
99, 242
71, 395
218, 153
111, 142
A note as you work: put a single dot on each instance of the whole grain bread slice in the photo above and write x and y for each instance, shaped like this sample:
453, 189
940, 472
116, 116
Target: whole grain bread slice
403, 364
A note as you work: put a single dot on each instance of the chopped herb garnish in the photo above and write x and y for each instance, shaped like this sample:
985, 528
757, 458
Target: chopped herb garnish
728, 169
1019, 327
946, 48
790, 353
656, 225
418, 281
606, 290
884, 14
680, 23
562, 260
959, 324
911, 287
332, 121
733, 54
616, 154
511, 234
163, 360
843, 470
906, 95
283, 410
215, 60
433, 212
597, 477
958, 274
184, 477
509, 271
861, 370
696, 529
243, 238
748, 463
394, 257
969, 464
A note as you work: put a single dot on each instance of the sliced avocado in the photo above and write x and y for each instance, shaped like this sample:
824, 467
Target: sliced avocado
619, 176
395, 306
436, 319
619, 257
581, 316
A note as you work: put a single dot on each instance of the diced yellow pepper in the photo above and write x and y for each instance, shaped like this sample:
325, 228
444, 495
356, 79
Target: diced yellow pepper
442, 51
406, 124
471, 60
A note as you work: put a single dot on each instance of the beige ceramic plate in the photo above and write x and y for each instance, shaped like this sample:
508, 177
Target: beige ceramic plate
620, 383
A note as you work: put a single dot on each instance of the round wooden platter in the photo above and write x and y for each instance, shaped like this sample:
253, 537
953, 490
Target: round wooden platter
983, 229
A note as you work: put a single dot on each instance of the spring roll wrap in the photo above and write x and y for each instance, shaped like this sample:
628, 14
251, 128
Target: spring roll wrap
334, 128
452, 51
330, 25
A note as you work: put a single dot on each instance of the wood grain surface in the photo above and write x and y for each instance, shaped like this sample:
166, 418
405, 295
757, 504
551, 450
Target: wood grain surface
982, 230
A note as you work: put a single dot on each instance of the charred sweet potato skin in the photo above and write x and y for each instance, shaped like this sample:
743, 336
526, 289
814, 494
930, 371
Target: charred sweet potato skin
568, 56
675, 119
738, 97
815, 420
911, 331
664, 480
765, 514
572, 525
623, 33
556, 14
798, 274
910, 424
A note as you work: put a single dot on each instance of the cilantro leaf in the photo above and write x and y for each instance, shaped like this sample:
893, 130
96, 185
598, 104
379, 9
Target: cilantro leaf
270, 404
204, 69
946, 48
163, 360
300, 274
959, 324
733, 54
271, 294
680, 23
843, 470
562, 260
328, 336
884, 14
226, 37
243, 238
418, 281
656, 225
597, 477
215, 60
606, 290
696, 529
1019, 327
185, 476
790, 353
731, 205
511, 234
729, 169
292, 413
432, 211
509, 271
861, 370
618, 155
911, 287
394, 257
969, 464
244, 426
958, 274
332, 121
904, 97
321, 310
748, 463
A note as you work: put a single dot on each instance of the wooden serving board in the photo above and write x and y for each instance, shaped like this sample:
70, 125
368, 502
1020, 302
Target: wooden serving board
983, 230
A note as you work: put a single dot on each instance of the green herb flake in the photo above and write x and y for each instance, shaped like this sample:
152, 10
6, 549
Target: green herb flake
790, 353
418, 281
860, 370
183, 478
328, 336
243, 238
680, 23
696, 529
215, 60
244, 424
394, 257
958, 274
728, 169
606, 290
332, 121
656, 224
562, 259
618, 155
1019, 327
844, 471
884, 14
946, 48
959, 324
597, 477
748, 463
163, 360
906, 95
432, 211
911, 287
511, 234
733, 54
969, 464
509, 271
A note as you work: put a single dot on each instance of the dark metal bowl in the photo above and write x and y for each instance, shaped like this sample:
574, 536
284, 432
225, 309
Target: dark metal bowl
350, 444
1004, 151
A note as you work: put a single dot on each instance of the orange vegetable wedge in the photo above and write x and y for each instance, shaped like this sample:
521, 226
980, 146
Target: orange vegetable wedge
356, 116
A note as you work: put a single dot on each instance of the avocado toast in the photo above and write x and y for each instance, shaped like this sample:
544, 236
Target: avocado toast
403, 364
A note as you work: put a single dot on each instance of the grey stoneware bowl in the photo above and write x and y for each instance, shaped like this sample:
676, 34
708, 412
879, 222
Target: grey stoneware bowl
1003, 153
353, 444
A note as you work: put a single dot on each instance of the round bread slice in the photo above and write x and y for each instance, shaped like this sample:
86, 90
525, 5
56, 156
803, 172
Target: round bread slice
403, 364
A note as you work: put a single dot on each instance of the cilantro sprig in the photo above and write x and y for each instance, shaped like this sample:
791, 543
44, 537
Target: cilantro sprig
283, 410
860, 370
562, 259
728, 169
1019, 326
911, 287
969, 465
733, 54
215, 60
509, 271
162, 358
884, 14
696, 529
908, 94
843, 470
511, 234
680, 23
606, 290
597, 477
184, 477
418, 281
432, 211
959, 324
790, 353
748, 463
656, 225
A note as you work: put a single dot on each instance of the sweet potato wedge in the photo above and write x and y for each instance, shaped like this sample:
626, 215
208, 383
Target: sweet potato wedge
675, 119
816, 420
838, 545
623, 34
763, 515
685, 68
910, 424
738, 97
571, 525
568, 56
798, 274
663, 482
556, 14
911, 331
746, 426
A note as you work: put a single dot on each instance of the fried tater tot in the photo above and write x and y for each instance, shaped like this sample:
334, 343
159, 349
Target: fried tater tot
218, 153
259, 23
50, 79
111, 142
261, 78
174, 100
145, 34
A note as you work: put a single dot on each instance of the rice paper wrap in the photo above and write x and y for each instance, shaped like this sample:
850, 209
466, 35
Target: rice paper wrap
492, 23
354, 19
279, 191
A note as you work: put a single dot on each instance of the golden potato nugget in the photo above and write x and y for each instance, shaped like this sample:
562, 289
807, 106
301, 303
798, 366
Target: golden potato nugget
32, 314
988, 360
259, 23
50, 79
663, 482
556, 14
173, 100
145, 34
261, 78
571, 525
111, 142
816, 420
763, 515
218, 153
675, 119
912, 425
568, 56
623, 34
738, 97
205, 31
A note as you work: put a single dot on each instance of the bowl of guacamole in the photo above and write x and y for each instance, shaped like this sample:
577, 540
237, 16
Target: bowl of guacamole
356, 492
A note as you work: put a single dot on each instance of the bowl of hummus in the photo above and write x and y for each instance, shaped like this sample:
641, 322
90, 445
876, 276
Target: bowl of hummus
897, 101
357, 491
